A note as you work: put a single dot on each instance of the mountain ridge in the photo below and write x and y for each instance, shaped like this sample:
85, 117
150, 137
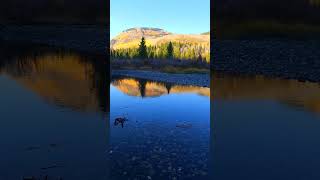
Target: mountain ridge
131, 37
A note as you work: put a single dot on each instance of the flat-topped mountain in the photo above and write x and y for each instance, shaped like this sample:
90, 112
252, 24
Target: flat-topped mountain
131, 38
146, 31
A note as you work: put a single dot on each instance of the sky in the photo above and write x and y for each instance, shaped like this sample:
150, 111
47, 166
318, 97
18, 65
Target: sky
176, 16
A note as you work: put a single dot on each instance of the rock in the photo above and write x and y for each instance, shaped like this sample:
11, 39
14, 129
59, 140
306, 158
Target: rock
120, 120
184, 126
29, 178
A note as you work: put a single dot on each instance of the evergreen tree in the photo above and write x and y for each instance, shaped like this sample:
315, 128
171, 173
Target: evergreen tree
200, 58
176, 50
143, 49
170, 50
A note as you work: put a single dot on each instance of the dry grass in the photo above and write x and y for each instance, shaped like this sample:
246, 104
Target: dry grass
179, 70
168, 66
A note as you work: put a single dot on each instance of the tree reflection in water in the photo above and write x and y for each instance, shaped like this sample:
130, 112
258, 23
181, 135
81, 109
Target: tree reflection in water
62, 77
293, 93
148, 88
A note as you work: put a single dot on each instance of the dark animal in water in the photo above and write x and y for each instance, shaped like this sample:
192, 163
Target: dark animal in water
120, 120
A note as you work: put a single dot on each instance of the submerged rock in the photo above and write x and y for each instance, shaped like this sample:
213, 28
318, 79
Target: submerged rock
184, 125
120, 120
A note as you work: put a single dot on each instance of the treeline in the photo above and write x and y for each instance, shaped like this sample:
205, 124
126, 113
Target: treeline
286, 11
54, 11
171, 50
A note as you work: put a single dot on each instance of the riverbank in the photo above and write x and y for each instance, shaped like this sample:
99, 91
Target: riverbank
289, 59
202, 80
173, 66
86, 38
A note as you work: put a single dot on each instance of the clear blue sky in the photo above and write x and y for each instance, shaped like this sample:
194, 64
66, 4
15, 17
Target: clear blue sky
177, 16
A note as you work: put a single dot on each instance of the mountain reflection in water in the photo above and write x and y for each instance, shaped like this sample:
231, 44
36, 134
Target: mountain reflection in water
54, 106
300, 95
158, 130
147, 88
63, 78
264, 128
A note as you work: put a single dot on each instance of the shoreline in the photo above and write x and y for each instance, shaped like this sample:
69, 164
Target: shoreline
85, 38
202, 80
281, 58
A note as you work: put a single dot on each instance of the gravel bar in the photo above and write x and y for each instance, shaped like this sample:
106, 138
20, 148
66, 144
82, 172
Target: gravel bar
86, 38
284, 58
202, 80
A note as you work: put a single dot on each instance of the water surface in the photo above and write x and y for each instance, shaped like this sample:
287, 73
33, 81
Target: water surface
265, 128
55, 121
167, 133
53, 113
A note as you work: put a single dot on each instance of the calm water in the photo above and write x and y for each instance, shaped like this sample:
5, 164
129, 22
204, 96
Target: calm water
53, 114
265, 128
167, 134
55, 121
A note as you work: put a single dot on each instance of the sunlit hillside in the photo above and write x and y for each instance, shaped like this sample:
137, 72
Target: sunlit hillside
185, 46
131, 38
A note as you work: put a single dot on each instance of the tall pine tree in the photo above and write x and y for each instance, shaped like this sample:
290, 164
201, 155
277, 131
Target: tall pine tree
143, 49
170, 50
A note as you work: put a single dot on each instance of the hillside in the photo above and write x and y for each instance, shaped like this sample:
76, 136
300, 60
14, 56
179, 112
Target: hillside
131, 38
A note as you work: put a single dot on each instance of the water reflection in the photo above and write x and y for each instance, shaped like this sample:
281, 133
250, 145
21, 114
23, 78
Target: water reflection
147, 88
54, 106
264, 128
295, 94
160, 130
63, 78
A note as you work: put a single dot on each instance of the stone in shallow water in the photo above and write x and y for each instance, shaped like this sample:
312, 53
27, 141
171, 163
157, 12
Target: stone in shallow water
29, 178
184, 125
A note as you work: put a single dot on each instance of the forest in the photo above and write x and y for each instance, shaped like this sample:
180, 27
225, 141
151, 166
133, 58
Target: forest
266, 18
54, 11
170, 50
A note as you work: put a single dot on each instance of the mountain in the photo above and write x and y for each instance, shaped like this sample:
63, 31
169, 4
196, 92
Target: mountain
155, 36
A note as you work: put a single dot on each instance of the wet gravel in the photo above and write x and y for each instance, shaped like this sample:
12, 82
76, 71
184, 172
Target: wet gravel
290, 59
202, 80
151, 153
